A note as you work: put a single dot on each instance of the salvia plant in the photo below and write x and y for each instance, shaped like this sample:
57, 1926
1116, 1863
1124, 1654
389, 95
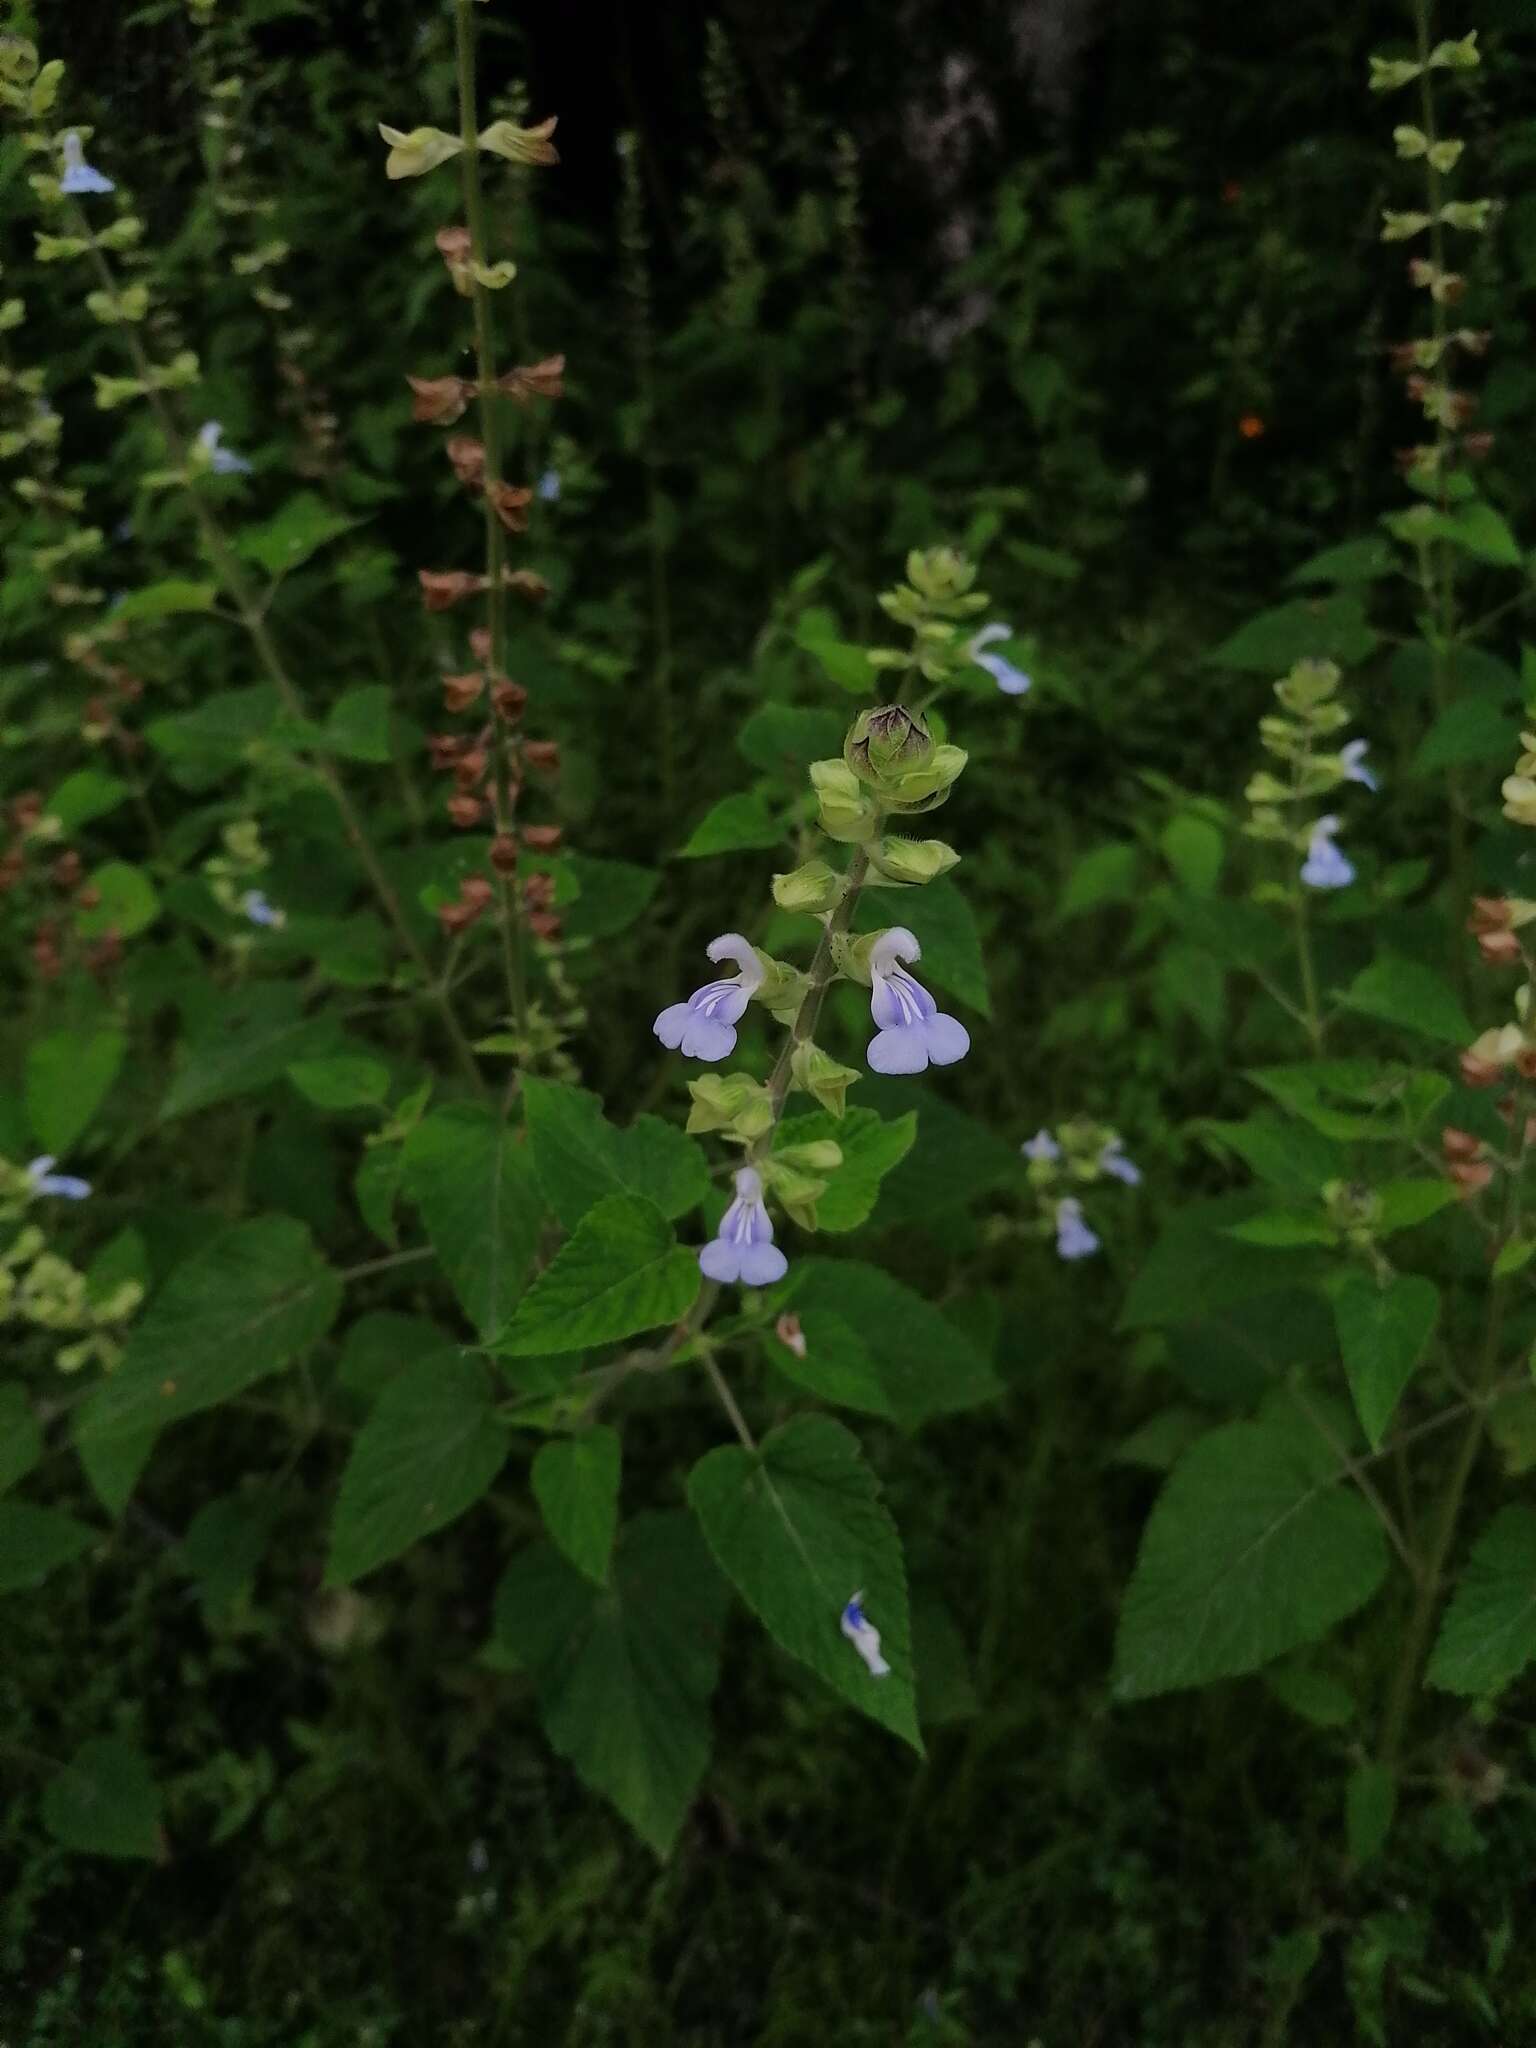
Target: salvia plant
1362, 1310
415, 977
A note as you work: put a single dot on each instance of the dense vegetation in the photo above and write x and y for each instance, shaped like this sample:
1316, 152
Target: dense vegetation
1053, 1566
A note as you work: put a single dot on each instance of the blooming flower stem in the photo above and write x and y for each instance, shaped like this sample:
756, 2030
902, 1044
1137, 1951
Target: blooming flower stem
238, 589
495, 540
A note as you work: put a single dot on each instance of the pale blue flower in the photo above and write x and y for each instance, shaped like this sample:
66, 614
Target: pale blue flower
864, 1636
1352, 761
743, 1248
704, 1028
221, 460
1041, 1146
549, 487
79, 177
1010, 680
46, 1182
1325, 867
260, 911
1112, 1160
1074, 1240
913, 1029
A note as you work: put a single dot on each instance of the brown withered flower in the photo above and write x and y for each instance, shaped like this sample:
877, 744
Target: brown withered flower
459, 692
509, 699
444, 749
510, 503
527, 583
465, 810
503, 854
468, 458
456, 917
542, 838
543, 754
534, 380
457, 251
1471, 1177
439, 401
441, 589
469, 769
1480, 1073
544, 924
1459, 1145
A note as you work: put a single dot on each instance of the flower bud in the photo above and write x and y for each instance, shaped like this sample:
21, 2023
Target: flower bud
789, 1333
887, 741
814, 887
910, 862
924, 789
423, 149
730, 1102
821, 1076
1519, 792
782, 989
844, 812
522, 145
941, 574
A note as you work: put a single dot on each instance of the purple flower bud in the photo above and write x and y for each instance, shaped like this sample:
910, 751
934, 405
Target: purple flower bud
914, 1031
1041, 1146
864, 1636
1112, 1160
1352, 761
79, 177
1010, 680
743, 1248
1074, 1240
704, 1028
1325, 867
46, 1182
260, 911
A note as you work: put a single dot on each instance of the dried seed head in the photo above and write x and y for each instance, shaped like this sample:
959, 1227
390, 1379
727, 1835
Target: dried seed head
468, 458
443, 588
465, 810
543, 754
459, 692
510, 503
477, 892
439, 401
542, 838
534, 380
504, 854
509, 700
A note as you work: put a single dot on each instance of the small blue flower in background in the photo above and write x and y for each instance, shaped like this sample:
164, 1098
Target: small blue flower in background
46, 1182
704, 1028
1112, 1160
221, 460
1325, 867
1074, 1240
549, 487
743, 1248
260, 911
913, 1029
1010, 680
1352, 761
1041, 1146
864, 1636
80, 177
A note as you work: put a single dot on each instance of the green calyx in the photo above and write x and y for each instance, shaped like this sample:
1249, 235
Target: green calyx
907, 863
732, 1103
815, 887
821, 1076
844, 810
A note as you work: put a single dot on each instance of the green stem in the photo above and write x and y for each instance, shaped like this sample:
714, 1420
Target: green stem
1311, 1014
823, 972
495, 539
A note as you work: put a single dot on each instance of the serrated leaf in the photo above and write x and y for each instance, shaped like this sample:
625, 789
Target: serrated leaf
733, 825
69, 1076
169, 599
85, 796
580, 1156
129, 902
925, 1365
21, 1437
871, 1147
432, 1444
36, 1541
798, 1527
1103, 875
1249, 1553
469, 1173
785, 739
341, 1080
293, 533
835, 1365
1325, 629
1384, 1330
358, 723
248, 1043
612, 894
1414, 997
1473, 729
105, 1802
1313, 1696
621, 1272
1488, 1636
840, 661
576, 1484
249, 1304
624, 1675
941, 920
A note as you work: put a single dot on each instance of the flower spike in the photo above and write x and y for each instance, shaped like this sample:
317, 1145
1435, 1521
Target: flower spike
914, 1031
704, 1028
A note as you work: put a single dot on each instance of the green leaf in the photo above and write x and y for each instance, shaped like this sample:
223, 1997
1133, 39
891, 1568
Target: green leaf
1285, 1228
1370, 1801
1352, 561
358, 724
1414, 997
941, 920
129, 903
870, 1148
85, 796
288, 539
798, 1528
580, 1156
735, 823
576, 1484
785, 739
69, 1076
1479, 530
249, 1304
1410, 1201
170, 599
924, 1364
1331, 629
1312, 1696
202, 745
1473, 729
1488, 1636
621, 1272
954, 1158
1196, 1269
105, 1802
224, 1543
1384, 1330
840, 660
432, 1444
624, 1675
36, 1541
342, 1080
837, 1365
469, 1173
249, 1042
1104, 874
1251, 1550
613, 893
1195, 849
21, 1437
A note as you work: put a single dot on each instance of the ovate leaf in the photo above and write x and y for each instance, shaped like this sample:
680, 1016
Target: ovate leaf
21, 1437
1384, 1328
624, 1674
798, 1527
1414, 997
923, 1363
431, 1446
1488, 1636
576, 1484
1252, 1549
621, 1272
580, 1156
870, 1148
69, 1075
105, 1802
35, 1541
468, 1172
735, 823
